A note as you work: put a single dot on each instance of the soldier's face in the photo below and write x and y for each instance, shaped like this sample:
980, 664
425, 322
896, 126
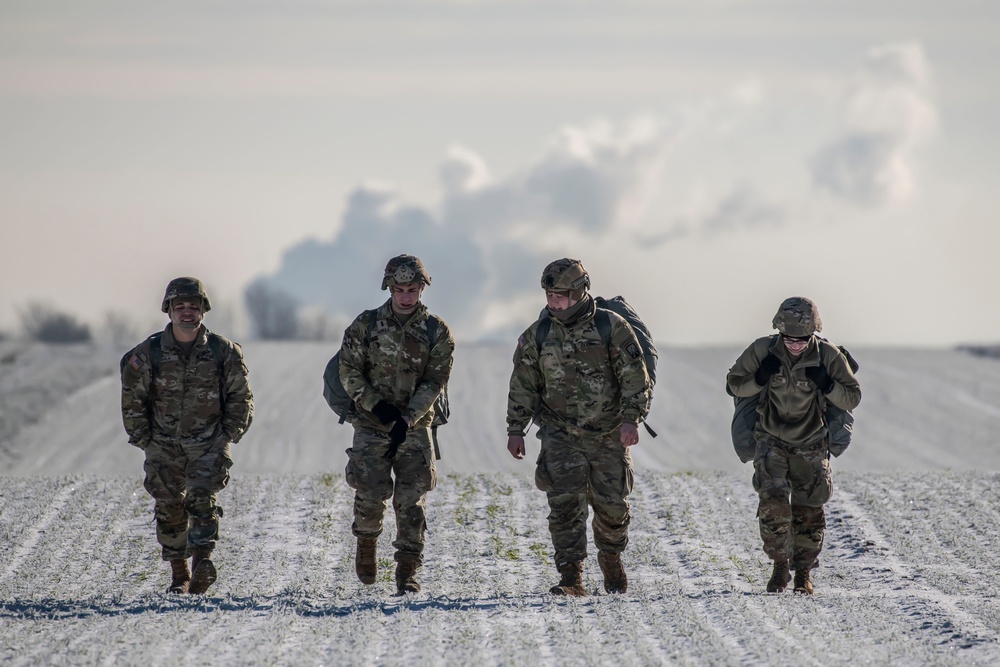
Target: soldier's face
185, 314
795, 346
406, 297
559, 300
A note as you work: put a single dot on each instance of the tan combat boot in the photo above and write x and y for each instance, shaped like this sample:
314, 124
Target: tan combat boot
779, 577
406, 572
364, 560
203, 572
615, 579
802, 582
571, 582
181, 576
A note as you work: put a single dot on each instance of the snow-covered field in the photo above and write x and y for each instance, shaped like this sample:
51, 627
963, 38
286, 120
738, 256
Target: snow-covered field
908, 576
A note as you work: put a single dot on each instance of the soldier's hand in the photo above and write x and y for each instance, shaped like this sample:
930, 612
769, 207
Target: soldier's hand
629, 433
820, 378
386, 412
515, 445
397, 434
769, 365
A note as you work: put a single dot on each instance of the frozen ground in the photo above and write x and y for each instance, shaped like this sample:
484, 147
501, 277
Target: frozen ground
908, 575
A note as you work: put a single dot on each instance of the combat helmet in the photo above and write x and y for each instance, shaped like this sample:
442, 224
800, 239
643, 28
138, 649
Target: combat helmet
565, 275
185, 287
797, 316
404, 269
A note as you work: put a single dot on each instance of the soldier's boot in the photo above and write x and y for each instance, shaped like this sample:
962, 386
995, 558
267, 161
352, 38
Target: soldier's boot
571, 582
803, 584
203, 572
406, 576
779, 577
181, 576
364, 560
615, 579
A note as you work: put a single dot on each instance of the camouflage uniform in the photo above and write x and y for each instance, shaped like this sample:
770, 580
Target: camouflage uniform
579, 391
792, 474
185, 428
401, 366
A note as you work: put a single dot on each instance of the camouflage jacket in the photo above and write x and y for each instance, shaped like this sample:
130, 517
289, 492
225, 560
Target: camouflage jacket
185, 404
576, 383
791, 411
398, 365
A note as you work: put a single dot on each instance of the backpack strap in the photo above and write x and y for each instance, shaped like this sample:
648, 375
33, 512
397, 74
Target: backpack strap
542, 332
603, 322
215, 344
371, 326
432, 328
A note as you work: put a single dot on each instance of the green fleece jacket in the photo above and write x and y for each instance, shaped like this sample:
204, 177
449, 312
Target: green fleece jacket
790, 409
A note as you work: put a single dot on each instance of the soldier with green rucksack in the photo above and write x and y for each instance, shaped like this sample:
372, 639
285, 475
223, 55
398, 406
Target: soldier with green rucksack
394, 364
185, 399
798, 380
580, 374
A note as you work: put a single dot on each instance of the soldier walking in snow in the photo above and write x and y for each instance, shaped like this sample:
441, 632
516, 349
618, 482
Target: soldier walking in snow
185, 398
793, 372
587, 393
394, 362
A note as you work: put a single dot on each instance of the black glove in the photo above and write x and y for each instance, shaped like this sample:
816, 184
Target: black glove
820, 378
397, 434
769, 365
386, 412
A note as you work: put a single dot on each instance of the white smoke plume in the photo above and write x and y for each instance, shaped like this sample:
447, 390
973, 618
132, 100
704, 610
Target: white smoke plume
888, 112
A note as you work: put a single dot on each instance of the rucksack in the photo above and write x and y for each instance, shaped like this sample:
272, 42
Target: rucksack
621, 307
839, 422
216, 343
343, 405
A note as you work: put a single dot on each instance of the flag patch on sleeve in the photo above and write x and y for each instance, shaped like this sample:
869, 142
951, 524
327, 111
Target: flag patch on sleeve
520, 341
135, 362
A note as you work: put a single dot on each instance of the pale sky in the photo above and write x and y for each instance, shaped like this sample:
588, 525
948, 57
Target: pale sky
706, 160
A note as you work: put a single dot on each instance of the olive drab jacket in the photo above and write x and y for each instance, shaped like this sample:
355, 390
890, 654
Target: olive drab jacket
397, 364
790, 410
188, 402
576, 383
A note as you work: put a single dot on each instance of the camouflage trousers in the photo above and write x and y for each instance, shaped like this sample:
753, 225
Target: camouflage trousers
370, 474
576, 472
792, 484
184, 481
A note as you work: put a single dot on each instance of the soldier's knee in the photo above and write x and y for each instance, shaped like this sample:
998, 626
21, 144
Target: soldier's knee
809, 517
774, 508
202, 505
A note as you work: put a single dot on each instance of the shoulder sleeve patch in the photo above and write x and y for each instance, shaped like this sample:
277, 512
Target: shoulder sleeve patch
136, 362
633, 351
521, 342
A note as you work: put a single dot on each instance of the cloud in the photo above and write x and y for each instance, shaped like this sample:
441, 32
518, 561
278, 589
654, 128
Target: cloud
589, 181
888, 112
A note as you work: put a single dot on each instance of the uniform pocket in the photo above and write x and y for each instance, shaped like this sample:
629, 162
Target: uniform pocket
431, 468
351, 472
542, 478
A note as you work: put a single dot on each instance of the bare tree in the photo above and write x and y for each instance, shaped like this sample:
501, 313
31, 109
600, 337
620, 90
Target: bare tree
273, 312
119, 329
42, 322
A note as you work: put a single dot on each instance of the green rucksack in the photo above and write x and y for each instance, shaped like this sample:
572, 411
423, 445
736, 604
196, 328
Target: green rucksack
343, 405
839, 422
621, 307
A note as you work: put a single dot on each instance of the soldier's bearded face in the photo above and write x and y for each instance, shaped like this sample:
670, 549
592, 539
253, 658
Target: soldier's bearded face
185, 314
559, 300
406, 297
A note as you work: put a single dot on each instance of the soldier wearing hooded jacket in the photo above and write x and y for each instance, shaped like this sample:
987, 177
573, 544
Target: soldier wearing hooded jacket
795, 373
393, 370
587, 398
185, 397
